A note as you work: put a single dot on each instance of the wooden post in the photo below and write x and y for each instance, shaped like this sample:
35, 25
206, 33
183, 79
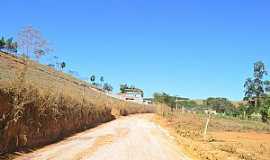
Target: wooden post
206, 125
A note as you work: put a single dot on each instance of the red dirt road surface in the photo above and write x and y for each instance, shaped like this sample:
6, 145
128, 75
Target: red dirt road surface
129, 138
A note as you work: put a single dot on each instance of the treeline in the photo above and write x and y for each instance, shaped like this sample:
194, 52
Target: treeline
255, 104
220, 105
169, 100
8, 45
31, 45
28, 43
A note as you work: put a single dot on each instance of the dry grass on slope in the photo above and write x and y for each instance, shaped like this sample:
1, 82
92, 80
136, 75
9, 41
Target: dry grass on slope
30, 118
39, 105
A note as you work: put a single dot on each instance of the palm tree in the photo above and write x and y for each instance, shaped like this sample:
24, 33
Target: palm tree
93, 79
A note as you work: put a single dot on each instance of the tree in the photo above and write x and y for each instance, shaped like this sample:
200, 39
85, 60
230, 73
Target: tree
242, 109
93, 79
267, 86
265, 109
166, 99
101, 80
255, 90
2, 43
14, 47
123, 88
220, 105
107, 87
63, 65
187, 104
31, 41
8, 44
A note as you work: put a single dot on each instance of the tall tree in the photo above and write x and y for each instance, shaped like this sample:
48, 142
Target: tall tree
31, 42
255, 89
259, 73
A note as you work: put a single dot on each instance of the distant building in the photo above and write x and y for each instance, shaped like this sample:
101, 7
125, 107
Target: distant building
132, 94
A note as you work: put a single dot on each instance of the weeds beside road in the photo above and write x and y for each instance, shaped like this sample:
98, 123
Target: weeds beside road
226, 138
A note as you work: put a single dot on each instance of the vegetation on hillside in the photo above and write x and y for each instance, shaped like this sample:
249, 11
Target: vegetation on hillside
8, 45
256, 103
40, 105
172, 101
31, 117
256, 92
229, 128
221, 105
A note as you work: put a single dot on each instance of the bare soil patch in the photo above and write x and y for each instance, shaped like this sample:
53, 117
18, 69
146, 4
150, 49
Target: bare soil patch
227, 139
133, 137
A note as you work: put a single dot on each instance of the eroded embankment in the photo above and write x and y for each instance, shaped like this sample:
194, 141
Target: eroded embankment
40, 105
30, 119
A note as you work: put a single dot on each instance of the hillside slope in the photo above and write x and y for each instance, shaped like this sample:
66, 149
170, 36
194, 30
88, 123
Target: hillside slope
42, 76
49, 105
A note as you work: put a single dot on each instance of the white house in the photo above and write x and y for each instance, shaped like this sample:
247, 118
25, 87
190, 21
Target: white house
133, 94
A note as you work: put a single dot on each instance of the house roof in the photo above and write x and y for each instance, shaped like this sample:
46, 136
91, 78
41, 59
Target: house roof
134, 90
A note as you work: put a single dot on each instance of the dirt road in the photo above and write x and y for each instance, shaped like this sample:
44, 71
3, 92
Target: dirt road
128, 138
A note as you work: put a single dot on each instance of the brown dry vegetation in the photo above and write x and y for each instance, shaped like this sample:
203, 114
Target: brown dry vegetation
226, 139
45, 105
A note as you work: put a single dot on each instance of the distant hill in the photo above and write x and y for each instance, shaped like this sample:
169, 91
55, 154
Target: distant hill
235, 103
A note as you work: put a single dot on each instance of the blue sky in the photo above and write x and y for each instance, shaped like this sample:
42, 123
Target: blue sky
190, 48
